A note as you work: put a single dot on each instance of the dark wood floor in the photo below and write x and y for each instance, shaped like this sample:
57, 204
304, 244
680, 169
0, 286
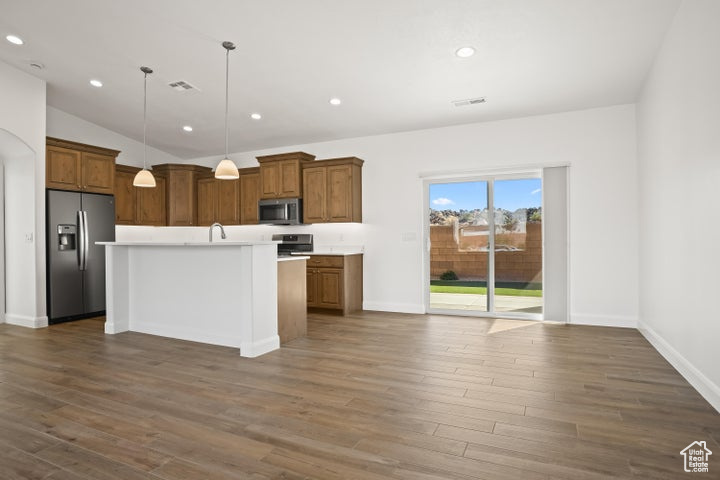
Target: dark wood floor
372, 396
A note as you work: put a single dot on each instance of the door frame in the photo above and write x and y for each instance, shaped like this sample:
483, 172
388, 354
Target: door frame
490, 177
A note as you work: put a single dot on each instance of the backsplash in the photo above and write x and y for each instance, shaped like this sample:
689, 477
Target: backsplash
331, 238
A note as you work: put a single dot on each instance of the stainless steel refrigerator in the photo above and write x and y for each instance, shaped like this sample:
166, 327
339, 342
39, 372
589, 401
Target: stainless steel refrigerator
75, 265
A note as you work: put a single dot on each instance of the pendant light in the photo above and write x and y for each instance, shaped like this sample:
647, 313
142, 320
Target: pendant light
226, 169
144, 178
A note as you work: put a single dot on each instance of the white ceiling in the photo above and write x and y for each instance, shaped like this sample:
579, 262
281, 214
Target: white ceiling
392, 63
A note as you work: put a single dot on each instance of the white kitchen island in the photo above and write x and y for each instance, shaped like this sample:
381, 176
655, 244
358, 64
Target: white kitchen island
222, 293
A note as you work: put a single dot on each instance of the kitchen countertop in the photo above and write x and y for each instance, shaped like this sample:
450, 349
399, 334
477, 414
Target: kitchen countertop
188, 244
292, 257
330, 254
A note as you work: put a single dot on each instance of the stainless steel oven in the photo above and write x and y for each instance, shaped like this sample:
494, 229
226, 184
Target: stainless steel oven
280, 211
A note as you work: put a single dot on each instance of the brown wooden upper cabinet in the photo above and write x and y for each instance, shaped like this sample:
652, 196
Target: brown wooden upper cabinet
249, 195
220, 200
125, 195
332, 190
281, 175
180, 196
230, 202
79, 167
138, 206
207, 197
151, 203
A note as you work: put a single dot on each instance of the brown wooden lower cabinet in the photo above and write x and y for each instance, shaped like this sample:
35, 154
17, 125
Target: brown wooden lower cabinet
291, 293
335, 282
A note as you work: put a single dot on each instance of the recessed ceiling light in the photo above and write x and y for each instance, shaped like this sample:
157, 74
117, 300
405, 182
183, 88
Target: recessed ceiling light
187, 128
335, 101
14, 39
96, 83
465, 52
255, 116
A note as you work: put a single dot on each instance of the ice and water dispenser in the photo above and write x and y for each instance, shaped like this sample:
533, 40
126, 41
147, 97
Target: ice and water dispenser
66, 237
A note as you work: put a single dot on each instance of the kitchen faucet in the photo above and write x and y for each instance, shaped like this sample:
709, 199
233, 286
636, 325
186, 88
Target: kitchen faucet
222, 231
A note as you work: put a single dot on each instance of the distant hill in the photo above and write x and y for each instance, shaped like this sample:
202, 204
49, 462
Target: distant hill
480, 216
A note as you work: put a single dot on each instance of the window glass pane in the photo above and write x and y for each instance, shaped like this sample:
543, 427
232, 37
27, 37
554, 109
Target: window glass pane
458, 246
518, 245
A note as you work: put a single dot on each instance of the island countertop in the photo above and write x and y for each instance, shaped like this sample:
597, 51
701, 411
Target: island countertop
189, 244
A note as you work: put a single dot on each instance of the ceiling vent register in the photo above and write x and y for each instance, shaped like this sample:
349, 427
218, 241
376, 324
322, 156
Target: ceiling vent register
182, 86
469, 101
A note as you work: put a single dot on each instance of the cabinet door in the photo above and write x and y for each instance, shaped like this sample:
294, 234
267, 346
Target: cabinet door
228, 206
206, 201
329, 288
98, 173
249, 197
63, 169
124, 198
315, 198
181, 198
339, 188
151, 208
270, 180
311, 285
290, 179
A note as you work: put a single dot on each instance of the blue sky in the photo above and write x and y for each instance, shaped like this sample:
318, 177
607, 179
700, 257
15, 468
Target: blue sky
509, 194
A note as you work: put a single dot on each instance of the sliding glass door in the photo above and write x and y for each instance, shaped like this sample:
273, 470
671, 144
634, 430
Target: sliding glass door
459, 239
485, 246
518, 245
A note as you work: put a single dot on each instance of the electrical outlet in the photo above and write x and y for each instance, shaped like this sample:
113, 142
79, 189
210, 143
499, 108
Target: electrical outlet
29, 237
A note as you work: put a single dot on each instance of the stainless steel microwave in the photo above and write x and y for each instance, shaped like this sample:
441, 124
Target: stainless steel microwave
280, 211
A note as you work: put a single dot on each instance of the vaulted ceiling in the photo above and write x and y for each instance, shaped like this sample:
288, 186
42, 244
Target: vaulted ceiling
391, 62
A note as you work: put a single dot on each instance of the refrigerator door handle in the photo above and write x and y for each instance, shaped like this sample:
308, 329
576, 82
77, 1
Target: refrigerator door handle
86, 240
81, 241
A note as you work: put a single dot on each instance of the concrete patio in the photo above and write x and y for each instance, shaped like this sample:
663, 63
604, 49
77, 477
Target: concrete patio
472, 302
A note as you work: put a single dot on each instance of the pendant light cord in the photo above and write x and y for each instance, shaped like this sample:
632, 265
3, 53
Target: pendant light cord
227, 82
145, 123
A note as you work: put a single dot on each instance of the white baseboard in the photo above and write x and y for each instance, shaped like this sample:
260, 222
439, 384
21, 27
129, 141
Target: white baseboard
603, 320
184, 333
247, 349
261, 347
25, 321
394, 307
706, 387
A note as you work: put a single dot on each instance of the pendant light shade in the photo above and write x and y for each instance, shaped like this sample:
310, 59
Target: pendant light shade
226, 169
144, 178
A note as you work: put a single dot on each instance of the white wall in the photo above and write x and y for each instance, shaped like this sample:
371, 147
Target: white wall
599, 145
22, 148
679, 162
69, 127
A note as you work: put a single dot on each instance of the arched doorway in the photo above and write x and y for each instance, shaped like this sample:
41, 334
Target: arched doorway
18, 262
